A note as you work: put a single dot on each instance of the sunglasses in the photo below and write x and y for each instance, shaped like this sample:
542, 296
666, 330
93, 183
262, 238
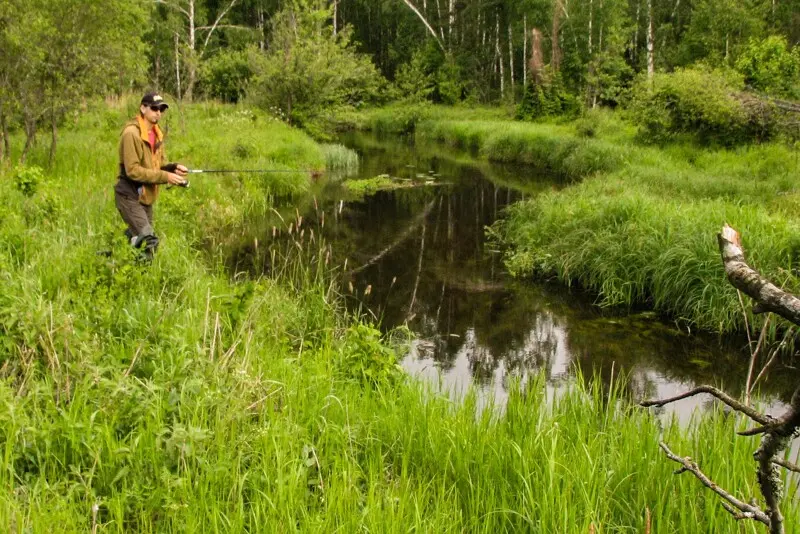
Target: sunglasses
158, 108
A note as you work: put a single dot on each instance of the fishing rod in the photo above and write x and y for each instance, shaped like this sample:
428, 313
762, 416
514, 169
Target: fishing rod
197, 171
313, 172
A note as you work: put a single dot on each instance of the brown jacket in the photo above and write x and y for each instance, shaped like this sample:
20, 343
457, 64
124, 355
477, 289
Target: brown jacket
139, 163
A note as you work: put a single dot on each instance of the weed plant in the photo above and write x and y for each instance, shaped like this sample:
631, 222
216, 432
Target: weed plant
175, 397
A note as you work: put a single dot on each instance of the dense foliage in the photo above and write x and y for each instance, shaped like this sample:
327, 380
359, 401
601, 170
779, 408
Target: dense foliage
307, 57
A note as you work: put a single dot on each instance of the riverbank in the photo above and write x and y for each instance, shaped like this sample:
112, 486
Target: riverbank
178, 398
638, 225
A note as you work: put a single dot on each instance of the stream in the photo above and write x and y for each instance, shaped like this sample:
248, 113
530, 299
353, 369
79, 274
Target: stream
419, 256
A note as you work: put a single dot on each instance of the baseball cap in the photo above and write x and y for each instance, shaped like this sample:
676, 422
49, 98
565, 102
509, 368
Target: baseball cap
154, 99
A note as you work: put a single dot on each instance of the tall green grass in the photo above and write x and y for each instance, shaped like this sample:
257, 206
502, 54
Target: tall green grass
177, 397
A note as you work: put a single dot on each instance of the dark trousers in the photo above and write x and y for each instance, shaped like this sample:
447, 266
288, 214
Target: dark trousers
138, 217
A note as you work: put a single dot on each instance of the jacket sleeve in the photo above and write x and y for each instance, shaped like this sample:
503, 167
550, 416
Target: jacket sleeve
133, 168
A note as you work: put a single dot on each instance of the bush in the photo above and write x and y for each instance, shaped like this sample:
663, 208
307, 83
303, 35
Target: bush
770, 66
547, 100
695, 101
225, 76
27, 179
307, 71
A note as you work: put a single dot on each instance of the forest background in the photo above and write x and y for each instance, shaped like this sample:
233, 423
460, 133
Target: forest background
308, 59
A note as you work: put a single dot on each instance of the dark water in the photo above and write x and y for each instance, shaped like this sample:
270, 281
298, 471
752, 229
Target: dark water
420, 257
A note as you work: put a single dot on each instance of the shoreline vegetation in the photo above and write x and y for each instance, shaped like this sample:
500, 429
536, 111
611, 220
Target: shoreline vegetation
179, 398
636, 224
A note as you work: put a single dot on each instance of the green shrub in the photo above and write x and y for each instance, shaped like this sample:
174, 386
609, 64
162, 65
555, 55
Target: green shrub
27, 179
695, 101
307, 71
225, 75
547, 100
770, 66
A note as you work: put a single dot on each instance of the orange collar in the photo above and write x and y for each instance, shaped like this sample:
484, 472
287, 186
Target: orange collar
143, 131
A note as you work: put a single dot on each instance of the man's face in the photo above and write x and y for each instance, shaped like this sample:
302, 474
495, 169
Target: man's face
152, 114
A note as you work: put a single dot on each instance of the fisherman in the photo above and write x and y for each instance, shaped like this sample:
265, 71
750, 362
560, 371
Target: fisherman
141, 153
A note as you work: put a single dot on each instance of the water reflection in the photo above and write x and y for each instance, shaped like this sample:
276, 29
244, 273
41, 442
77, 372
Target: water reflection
419, 257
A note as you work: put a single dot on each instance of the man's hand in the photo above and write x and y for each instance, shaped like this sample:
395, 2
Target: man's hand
181, 170
175, 179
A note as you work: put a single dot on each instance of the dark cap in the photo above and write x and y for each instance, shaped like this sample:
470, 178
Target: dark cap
154, 99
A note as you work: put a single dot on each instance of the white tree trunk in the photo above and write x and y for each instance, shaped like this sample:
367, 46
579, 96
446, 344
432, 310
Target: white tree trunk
651, 60
511, 58
335, 14
177, 66
591, 14
635, 45
451, 19
499, 56
525, 52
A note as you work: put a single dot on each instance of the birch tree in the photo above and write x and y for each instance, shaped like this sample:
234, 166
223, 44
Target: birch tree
196, 35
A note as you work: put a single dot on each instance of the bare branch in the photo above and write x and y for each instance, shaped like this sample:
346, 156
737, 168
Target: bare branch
787, 464
213, 26
172, 6
748, 511
773, 356
413, 8
756, 416
226, 26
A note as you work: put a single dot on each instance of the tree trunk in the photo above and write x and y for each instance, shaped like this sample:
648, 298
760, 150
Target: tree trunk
260, 28
499, 56
413, 8
635, 46
177, 67
524, 52
651, 61
591, 14
335, 14
511, 58
53, 138
30, 136
536, 63
555, 57
191, 64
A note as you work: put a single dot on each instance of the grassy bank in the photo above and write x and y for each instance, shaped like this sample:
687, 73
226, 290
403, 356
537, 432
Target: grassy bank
638, 224
178, 398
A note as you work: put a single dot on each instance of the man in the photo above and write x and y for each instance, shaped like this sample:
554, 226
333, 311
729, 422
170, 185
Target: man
141, 153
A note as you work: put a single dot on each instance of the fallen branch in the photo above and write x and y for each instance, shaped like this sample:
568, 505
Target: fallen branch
748, 511
755, 415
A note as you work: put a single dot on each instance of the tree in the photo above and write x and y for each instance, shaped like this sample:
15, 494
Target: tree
770, 66
307, 69
60, 52
720, 28
197, 35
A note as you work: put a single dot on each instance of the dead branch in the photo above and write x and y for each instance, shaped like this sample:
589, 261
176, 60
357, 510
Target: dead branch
748, 511
787, 464
755, 415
